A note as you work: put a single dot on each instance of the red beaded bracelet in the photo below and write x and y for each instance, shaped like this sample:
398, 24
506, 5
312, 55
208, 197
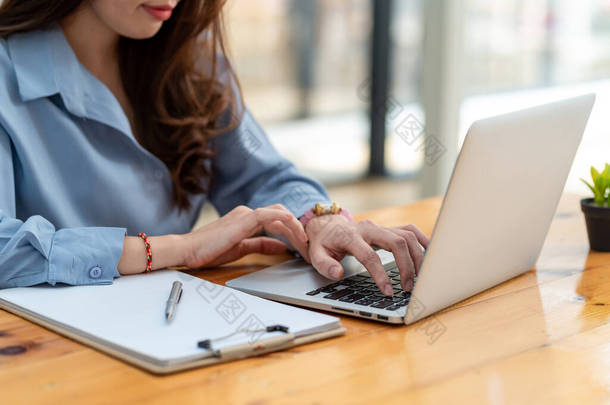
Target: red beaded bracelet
148, 252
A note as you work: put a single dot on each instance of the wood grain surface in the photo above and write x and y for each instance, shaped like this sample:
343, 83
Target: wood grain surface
543, 337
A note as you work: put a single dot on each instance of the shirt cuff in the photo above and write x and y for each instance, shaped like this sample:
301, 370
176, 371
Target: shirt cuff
298, 207
85, 255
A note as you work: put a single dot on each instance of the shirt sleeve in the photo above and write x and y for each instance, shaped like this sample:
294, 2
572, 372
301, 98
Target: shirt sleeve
34, 252
248, 170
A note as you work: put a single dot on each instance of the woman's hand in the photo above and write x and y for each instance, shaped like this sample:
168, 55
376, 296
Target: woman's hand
331, 237
230, 237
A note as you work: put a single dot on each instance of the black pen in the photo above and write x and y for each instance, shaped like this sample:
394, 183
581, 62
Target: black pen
173, 300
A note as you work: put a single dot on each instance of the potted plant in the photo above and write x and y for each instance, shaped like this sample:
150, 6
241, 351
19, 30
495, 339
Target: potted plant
597, 209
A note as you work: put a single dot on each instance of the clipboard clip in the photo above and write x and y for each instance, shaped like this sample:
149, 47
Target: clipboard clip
244, 349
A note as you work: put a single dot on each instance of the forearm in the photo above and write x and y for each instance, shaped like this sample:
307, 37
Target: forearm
254, 174
167, 250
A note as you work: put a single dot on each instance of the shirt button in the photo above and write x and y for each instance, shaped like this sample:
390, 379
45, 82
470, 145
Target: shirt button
95, 272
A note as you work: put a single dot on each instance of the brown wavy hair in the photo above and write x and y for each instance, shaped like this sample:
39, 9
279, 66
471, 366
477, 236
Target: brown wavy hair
179, 103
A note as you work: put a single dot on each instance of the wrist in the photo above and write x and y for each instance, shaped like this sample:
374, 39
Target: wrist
317, 223
168, 250
320, 210
181, 246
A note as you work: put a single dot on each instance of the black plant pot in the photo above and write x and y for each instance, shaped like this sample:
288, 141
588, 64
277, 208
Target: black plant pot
598, 224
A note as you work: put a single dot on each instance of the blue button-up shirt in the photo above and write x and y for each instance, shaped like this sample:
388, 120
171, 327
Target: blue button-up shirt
74, 180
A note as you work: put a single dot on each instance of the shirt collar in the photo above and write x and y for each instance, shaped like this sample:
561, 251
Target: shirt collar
45, 64
32, 62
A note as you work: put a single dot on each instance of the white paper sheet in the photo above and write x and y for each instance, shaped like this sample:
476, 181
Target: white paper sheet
130, 314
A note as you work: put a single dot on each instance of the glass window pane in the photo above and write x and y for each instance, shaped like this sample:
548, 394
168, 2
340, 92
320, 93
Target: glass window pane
403, 156
300, 64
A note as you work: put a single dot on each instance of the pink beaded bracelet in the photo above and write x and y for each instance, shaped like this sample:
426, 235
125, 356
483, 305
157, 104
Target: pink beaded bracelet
319, 210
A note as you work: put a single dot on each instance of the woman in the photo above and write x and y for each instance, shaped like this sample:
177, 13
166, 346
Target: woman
122, 117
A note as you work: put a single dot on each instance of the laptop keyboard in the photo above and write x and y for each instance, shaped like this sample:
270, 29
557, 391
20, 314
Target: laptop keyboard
362, 290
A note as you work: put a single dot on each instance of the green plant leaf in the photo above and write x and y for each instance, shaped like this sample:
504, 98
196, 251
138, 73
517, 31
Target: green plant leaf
589, 185
605, 174
600, 186
596, 177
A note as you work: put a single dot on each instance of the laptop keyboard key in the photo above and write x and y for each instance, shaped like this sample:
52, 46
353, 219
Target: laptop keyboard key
392, 308
362, 284
348, 281
330, 289
382, 304
339, 294
352, 298
315, 292
364, 301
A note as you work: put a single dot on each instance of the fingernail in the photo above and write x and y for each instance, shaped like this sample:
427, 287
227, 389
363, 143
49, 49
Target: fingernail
335, 272
387, 290
409, 285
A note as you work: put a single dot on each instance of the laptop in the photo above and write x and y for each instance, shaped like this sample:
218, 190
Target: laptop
496, 212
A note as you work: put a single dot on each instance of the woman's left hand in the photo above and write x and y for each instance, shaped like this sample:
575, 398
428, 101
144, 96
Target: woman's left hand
331, 237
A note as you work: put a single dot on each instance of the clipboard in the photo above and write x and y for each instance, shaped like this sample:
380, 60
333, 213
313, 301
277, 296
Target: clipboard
138, 336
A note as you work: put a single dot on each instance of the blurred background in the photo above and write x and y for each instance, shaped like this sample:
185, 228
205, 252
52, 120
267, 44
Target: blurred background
345, 88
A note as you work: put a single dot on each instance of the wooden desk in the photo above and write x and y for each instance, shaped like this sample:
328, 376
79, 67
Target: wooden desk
543, 337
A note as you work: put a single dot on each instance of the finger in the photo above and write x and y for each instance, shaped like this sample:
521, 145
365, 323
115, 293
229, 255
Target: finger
280, 228
415, 249
365, 254
293, 223
252, 221
267, 215
399, 247
324, 263
421, 236
263, 245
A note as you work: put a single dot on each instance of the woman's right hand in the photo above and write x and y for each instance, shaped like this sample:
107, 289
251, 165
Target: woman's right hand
230, 237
